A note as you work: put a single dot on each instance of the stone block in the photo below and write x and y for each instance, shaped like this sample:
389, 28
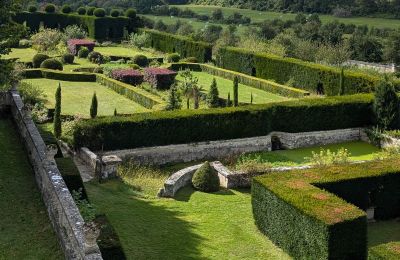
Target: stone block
109, 166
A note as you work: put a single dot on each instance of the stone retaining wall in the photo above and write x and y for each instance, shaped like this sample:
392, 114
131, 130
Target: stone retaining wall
62, 210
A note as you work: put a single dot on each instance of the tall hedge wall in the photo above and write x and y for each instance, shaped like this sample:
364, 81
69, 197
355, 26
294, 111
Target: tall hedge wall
305, 75
99, 28
176, 127
313, 223
186, 47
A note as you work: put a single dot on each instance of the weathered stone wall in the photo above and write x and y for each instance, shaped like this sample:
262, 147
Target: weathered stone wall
222, 149
61, 208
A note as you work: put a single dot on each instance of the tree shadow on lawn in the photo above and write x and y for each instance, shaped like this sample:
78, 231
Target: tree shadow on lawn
382, 232
185, 193
146, 227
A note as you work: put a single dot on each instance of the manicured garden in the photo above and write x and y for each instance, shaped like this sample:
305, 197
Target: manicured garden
26, 231
22, 54
121, 51
76, 98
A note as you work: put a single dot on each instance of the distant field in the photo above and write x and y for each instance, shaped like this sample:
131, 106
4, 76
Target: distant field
259, 16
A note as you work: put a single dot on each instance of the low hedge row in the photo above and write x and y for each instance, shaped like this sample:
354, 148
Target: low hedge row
312, 223
185, 126
60, 75
389, 251
186, 47
305, 75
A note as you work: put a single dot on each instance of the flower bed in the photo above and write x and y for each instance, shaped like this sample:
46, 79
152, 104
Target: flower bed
74, 45
160, 78
129, 76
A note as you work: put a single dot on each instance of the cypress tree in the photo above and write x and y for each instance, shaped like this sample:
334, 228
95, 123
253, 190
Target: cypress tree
187, 103
228, 101
115, 112
213, 95
236, 91
251, 98
341, 86
57, 113
93, 106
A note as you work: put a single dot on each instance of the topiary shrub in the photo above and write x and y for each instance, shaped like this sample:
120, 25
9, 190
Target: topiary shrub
206, 179
52, 64
68, 58
83, 52
66, 9
81, 11
32, 8
38, 59
140, 60
95, 57
134, 66
50, 8
99, 12
130, 13
114, 13
173, 57
90, 10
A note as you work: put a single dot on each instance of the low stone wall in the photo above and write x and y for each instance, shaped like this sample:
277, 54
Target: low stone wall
221, 149
88, 157
61, 208
177, 181
389, 141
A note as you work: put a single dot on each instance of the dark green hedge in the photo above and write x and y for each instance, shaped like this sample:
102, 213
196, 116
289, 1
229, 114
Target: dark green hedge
305, 75
389, 251
186, 47
60, 75
99, 28
307, 212
185, 126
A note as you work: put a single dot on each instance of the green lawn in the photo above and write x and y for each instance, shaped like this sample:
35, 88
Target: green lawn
77, 96
23, 55
79, 63
26, 232
359, 151
259, 16
225, 86
125, 51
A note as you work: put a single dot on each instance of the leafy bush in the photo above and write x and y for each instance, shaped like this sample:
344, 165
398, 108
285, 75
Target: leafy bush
139, 40
68, 58
83, 52
99, 12
66, 9
32, 8
90, 10
82, 11
30, 94
173, 57
95, 57
191, 60
74, 32
389, 251
206, 178
46, 39
38, 59
87, 210
140, 60
326, 157
114, 13
50, 8
131, 13
52, 64
24, 43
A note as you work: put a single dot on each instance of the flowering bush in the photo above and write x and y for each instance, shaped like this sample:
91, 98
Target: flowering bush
129, 76
75, 44
160, 78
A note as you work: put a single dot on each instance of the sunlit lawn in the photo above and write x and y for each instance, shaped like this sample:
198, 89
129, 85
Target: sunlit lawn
125, 51
23, 55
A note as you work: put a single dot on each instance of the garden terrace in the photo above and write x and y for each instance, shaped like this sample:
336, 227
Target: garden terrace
307, 212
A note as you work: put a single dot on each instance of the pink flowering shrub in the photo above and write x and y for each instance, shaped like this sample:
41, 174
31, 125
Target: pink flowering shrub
129, 76
74, 45
160, 78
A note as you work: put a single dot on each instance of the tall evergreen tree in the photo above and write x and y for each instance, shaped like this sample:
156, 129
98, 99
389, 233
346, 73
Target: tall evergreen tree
93, 106
236, 91
228, 101
213, 95
174, 100
386, 105
57, 113
341, 82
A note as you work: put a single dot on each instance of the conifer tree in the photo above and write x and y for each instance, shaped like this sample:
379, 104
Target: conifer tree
213, 95
236, 91
174, 100
93, 106
57, 113
228, 101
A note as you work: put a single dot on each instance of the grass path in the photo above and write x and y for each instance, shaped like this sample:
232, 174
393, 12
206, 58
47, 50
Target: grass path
26, 232
77, 97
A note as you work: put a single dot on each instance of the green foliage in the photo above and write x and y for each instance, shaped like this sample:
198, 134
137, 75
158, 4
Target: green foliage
228, 100
87, 210
206, 179
32, 8
74, 32
71, 176
82, 11
174, 100
60, 75
99, 12
389, 251
115, 112
90, 10
341, 82
93, 106
57, 113
95, 57
50, 8
186, 47
30, 94
68, 58
140, 60
38, 59
326, 157
130, 13
66, 9
83, 52
47, 39
235, 91
213, 95
114, 13
139, 40
386, 105
176, 127
173, 57
52, 64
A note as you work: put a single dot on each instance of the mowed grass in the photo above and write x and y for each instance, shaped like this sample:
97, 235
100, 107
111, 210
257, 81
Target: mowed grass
125, 51
23, 55
77, 98
225, 86
26, 232
259, 16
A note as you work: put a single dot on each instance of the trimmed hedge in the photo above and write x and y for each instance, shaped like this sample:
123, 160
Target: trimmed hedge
297, 212
389, 251
160, 78
99, 28
52, 64
177, 127
38, 59
171, 43
305, 75
59, 75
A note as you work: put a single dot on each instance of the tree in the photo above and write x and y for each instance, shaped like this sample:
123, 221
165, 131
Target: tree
213, 95
236, 91
189, 86
251, 98
93, 106
386, 105
139, 40
115, 112
217, 15
392, 48
341, 82
228, 101
174, 100
57, 113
